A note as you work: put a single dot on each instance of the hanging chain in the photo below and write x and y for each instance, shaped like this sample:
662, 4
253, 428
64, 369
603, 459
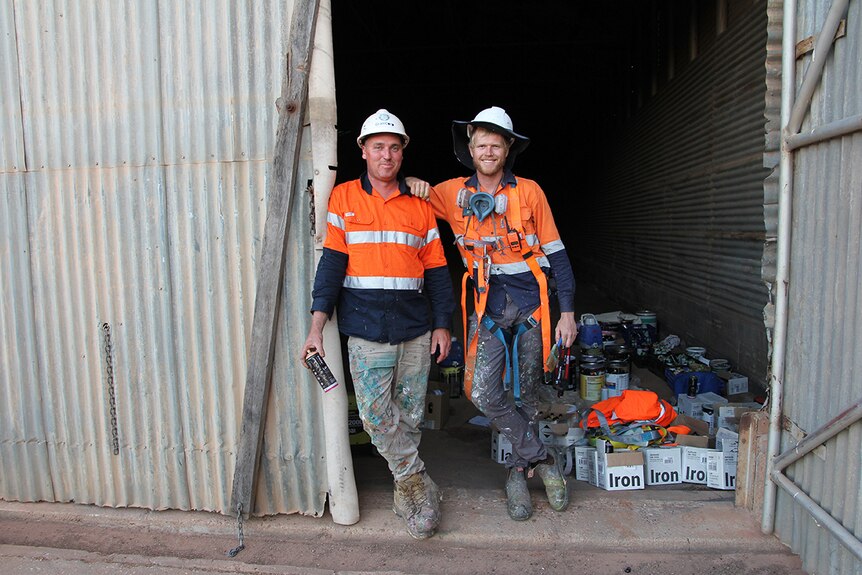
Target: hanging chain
233, 552
311, 213
112, 394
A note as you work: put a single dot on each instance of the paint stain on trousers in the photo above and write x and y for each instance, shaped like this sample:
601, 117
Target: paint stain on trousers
390, 383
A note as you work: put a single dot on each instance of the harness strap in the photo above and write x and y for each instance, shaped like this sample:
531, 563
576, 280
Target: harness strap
640, 434
509, 338
478, 265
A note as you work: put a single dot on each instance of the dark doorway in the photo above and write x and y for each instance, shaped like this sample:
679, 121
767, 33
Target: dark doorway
554, 67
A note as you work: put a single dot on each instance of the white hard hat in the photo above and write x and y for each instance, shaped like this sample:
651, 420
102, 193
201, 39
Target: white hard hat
495, 119
382, 122
494, 115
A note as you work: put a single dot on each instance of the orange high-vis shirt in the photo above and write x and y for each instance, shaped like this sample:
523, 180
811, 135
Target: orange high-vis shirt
390, 243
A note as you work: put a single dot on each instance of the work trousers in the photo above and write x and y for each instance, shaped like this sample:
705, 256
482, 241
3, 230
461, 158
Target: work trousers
516, 423
390, 382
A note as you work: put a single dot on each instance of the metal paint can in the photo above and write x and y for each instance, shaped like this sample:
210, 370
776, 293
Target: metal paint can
647, 317
617, 377
592, 380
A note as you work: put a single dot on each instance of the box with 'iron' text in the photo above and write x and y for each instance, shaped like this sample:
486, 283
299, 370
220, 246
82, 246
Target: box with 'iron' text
663, 465
617, 471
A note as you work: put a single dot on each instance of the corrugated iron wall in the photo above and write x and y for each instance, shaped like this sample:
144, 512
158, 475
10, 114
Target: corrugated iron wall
137, 142
824, 343
675, 224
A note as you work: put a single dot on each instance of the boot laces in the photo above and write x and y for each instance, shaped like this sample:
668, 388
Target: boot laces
414, 492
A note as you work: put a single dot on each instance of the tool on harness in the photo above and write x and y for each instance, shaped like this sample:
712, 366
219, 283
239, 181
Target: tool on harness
478, 260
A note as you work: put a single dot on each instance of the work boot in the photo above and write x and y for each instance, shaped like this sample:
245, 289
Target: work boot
518, 495
555, 484
417, 501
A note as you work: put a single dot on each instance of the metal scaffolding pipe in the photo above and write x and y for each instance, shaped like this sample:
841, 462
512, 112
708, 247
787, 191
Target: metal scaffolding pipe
820, 515
812, 75
826, 132
819, 437
785, 203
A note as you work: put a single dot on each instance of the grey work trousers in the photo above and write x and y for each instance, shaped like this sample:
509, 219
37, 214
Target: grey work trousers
517, 424
390, 382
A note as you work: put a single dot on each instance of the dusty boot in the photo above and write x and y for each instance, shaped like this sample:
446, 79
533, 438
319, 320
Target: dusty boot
555, 484
417, 501
518, 496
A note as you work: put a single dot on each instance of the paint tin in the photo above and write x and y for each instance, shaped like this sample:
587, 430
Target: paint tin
592, 380
647, 317
617, 378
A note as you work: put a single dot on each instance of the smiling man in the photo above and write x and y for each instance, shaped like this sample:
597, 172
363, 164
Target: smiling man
384, 269
512, 251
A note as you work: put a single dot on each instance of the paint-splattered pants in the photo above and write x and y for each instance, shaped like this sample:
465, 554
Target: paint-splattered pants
517, 424
390, 383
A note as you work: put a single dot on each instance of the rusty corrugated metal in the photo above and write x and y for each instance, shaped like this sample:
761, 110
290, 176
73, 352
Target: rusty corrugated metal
149, 129
824, 347
676, 224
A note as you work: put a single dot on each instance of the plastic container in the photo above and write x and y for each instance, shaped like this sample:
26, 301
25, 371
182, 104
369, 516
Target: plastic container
589, 332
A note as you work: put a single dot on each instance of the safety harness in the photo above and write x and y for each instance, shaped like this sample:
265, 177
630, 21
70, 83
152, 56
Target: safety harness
478, 259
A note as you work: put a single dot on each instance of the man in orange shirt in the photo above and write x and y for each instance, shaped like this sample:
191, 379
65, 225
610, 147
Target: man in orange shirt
384, 269
511, 248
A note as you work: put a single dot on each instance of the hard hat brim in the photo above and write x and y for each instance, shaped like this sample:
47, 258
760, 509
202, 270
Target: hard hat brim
461, 141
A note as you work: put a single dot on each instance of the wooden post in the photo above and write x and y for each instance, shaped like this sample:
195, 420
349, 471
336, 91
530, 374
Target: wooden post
291, 112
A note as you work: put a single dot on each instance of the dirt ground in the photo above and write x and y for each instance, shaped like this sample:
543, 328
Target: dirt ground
126, 548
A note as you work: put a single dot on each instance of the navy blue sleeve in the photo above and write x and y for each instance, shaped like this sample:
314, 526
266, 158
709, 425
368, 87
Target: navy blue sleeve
561, 267
438, 286
328, 280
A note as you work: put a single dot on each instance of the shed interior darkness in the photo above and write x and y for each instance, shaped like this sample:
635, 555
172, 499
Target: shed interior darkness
575, 77
558, 71
568, 73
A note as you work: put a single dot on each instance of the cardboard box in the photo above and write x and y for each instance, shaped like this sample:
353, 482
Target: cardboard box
726, 440
559, 434
727, 416
694, 464
697, 425
702, 441
560, 412
721, 470
501, 448
662, 465
436, 409
693, 406
586, 462
619, 470
734, 383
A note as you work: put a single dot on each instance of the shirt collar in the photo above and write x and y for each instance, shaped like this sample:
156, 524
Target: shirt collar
508, 180
366, 184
